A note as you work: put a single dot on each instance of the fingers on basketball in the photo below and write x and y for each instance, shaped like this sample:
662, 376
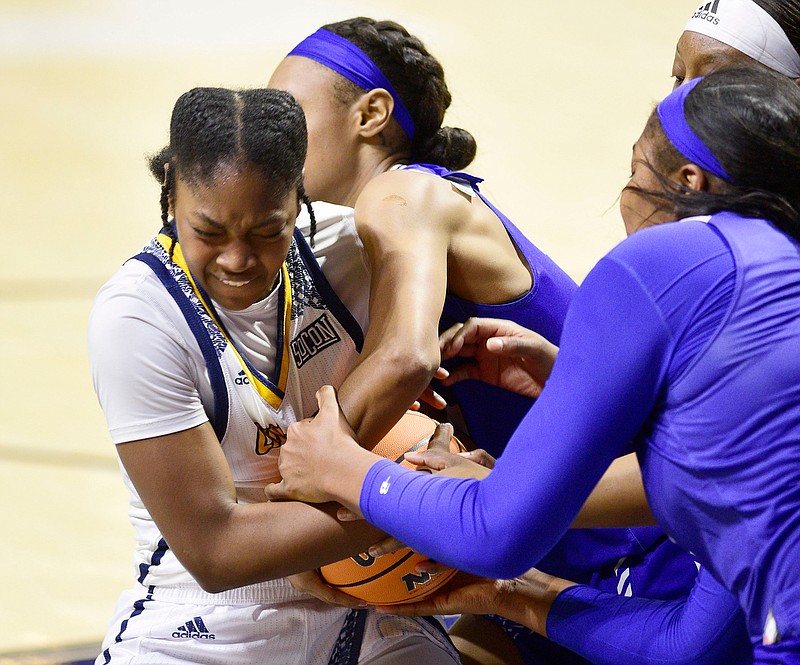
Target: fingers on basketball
393, 578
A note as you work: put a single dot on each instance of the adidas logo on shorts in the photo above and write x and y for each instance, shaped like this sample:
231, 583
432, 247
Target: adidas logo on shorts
194, 629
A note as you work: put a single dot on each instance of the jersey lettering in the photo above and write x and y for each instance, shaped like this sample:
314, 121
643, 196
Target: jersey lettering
316, 337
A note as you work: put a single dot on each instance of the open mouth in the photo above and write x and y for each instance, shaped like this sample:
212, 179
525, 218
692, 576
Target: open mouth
236, 283
228, 282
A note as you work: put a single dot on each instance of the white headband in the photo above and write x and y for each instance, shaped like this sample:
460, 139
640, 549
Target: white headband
745, 26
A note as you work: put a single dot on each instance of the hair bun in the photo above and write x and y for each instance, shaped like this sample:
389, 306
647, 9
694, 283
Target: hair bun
451, 147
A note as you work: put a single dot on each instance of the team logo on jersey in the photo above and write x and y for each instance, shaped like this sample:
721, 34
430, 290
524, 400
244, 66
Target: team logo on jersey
708, 12
312, 339
269, 438
193, 630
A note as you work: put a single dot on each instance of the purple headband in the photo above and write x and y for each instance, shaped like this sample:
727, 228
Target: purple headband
682, 136
345, 58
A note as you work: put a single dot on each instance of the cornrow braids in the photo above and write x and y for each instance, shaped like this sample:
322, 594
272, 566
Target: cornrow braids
313, 230
166, 189
418, 78
159, 168
215, 127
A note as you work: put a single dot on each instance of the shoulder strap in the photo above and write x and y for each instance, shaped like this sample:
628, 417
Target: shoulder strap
332, 300
219, 420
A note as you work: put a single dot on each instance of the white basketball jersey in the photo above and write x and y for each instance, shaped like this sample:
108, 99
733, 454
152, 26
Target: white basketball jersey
316, 341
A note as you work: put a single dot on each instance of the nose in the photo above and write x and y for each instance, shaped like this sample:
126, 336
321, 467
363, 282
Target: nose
236, 256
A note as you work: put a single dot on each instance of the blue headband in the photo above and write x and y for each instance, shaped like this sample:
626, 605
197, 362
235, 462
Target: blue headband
682, 136
345, 58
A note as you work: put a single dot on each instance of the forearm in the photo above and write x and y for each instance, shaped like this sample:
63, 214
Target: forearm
185, 483
704, 629
473, 525
384, 385
601, 390
618, 500
527, 599
264, 541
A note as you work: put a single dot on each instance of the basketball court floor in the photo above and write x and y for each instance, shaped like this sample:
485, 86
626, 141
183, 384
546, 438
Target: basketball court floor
555, 93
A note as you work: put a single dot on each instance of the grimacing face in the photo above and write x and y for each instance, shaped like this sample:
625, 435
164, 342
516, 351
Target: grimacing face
331, 160
697, 55
235, 232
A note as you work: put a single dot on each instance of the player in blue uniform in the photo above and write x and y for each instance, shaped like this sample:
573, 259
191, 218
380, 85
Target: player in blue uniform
439, 251
682, 340
374, 100
717, 34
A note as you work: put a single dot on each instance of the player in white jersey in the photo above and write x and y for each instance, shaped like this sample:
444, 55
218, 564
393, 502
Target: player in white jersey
205, 347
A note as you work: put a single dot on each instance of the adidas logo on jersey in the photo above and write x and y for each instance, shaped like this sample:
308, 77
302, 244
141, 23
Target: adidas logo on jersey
241, 379
708, 12
194, 629
312, 339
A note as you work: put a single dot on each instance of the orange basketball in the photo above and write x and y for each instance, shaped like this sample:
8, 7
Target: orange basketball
391, 579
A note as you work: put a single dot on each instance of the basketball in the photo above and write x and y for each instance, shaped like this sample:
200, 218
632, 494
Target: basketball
391, 579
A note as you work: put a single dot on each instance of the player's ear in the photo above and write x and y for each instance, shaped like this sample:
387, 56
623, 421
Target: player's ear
375, 111
692, 176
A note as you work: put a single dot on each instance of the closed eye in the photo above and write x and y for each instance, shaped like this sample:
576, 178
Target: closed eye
206, 234
264, 234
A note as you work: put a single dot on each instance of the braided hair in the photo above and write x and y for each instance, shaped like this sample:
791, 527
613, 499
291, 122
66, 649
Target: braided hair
759, 110
212, 127
418, 78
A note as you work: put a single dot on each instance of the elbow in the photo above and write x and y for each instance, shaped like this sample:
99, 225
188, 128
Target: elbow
503, 565
215, 572
415, 363
502, 556
420, 370
213, 583
212, 576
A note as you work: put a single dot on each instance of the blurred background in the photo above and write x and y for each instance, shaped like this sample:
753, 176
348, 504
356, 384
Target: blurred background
555, 93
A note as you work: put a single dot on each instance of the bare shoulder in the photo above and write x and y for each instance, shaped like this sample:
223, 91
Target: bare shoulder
420, 198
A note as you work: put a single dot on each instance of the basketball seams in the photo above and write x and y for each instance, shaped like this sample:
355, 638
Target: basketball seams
394, 579
414, 448
377, 575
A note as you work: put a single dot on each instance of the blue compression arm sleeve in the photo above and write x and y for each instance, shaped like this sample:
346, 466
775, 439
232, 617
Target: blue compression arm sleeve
706, 628
615, 350
503, 525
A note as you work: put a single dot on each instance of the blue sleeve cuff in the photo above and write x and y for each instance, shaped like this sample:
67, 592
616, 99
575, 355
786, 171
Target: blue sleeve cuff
381, 472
